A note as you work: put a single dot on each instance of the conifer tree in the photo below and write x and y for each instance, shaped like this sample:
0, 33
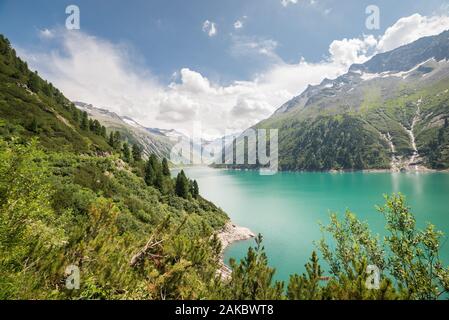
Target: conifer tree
117, 138
111, 139
84, 121
150, 174
154, 163
103, 131
182, 185
91, 125
33, 126
75, 116
126, 152
137, 152
152, 169
195, 189
159, 181
165, 167
33, 82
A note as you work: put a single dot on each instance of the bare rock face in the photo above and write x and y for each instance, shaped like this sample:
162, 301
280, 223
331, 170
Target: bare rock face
228, 235
232, 233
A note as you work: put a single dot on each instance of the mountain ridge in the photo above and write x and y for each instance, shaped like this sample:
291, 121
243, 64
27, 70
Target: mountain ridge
153, 141
392, 109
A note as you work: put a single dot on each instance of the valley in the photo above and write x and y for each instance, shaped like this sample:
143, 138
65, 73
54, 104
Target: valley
82, 187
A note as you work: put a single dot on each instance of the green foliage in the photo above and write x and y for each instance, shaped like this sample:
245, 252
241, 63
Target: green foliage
408, 255
414, 261
437, 149
61, 209
330, 142
252, 278
307, 286
34, 83
84, 121
151, 170
35, 108
165, 167
195, 189
29, 228
182, 187
136, 152
126, 152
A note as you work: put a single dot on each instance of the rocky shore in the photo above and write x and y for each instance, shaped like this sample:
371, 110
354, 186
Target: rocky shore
228, 235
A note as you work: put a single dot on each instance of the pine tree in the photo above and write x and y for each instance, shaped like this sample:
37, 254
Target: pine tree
195, 189
84, 121
117, 138
182, 185
111, 139
306, 287
165, 168
33, 82
33, 126
91, 125
159, 181
96, 127
137, 152
103, 131
152, 169
126, 152
150, 175
155, 163
75, 116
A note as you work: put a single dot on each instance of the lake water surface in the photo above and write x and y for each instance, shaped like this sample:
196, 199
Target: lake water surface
287, 207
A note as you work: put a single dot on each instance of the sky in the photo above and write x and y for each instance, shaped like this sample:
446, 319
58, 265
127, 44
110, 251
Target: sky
225, 64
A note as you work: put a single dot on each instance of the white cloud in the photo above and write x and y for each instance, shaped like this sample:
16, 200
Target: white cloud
46, 34
287, 2
210, 28
238, 25
176, 107
105, 74
349, 51
253, 46
411, 28
404, 31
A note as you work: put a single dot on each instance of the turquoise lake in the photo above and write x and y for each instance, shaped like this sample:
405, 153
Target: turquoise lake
287, 207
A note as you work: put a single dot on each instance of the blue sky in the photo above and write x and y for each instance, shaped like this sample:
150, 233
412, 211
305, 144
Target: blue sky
168, 34
163, 43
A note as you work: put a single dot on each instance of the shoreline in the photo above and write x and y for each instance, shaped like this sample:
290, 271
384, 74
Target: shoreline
420, 169
228, 235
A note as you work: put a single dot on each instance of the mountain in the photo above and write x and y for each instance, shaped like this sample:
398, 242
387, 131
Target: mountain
153, 141
388, 113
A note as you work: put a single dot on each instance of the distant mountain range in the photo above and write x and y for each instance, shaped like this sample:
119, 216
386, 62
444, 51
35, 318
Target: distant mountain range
388, 113
153, 140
